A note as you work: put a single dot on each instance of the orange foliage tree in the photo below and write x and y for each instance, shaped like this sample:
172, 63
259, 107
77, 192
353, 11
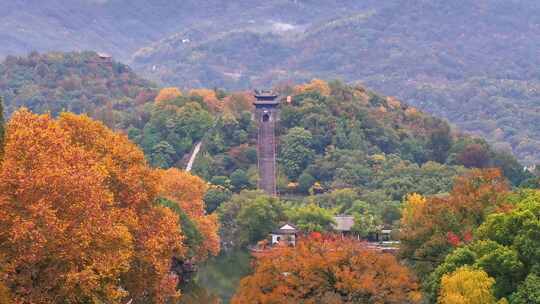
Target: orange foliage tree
5, 297
326, 271
431, 227
188, 192
238, 103
316, 85
78, 219
168, 94
209, 97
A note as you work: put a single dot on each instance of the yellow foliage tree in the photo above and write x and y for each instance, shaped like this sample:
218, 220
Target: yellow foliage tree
78, 218
467, 286
414, 203
204, 93
316, 85
168, 94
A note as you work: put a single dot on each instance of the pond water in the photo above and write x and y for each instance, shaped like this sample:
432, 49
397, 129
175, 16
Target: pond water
218, 278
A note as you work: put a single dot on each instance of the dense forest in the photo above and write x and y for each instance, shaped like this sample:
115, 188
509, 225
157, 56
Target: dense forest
100, 205
76, 82
466, 227
343, 148
84, 218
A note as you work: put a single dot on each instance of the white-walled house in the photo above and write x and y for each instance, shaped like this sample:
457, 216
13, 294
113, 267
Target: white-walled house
286, 233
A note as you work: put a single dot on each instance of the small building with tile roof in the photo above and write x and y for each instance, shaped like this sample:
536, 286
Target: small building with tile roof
343, 223
285, 233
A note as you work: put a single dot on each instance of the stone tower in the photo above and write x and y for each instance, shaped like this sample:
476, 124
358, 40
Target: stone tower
266, 116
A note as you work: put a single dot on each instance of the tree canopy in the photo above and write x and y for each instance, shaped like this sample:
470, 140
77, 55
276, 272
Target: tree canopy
318, 271
79, 215
432, 227
467, 286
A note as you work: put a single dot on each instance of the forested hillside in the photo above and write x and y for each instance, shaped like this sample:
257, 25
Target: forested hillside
472, 62
75, 82
344, 148
332, 136
345, 133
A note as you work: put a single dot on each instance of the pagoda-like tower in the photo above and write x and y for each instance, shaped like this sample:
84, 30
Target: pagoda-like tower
266, 115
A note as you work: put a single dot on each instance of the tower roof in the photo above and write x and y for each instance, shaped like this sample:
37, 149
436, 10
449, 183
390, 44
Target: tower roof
265, 97
104, 55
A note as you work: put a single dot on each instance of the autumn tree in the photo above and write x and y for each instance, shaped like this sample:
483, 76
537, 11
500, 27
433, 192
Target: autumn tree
78, 218
2, 128
316, 85
506, 248
167, 94
326, 271
499, 262
432, 226
209, 97
467, 286
474, 155
239, 103
204, 93
5, 296
188, 192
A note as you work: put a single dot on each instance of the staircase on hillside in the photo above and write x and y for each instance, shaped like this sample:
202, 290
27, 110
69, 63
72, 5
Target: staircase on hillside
266, 115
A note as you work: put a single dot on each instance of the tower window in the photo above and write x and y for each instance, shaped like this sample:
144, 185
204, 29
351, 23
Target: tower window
266, 117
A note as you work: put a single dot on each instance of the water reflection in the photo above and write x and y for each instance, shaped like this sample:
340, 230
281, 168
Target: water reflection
217, 280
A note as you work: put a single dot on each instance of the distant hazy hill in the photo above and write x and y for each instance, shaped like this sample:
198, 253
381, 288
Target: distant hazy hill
474, 62
120, 27
117, 27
